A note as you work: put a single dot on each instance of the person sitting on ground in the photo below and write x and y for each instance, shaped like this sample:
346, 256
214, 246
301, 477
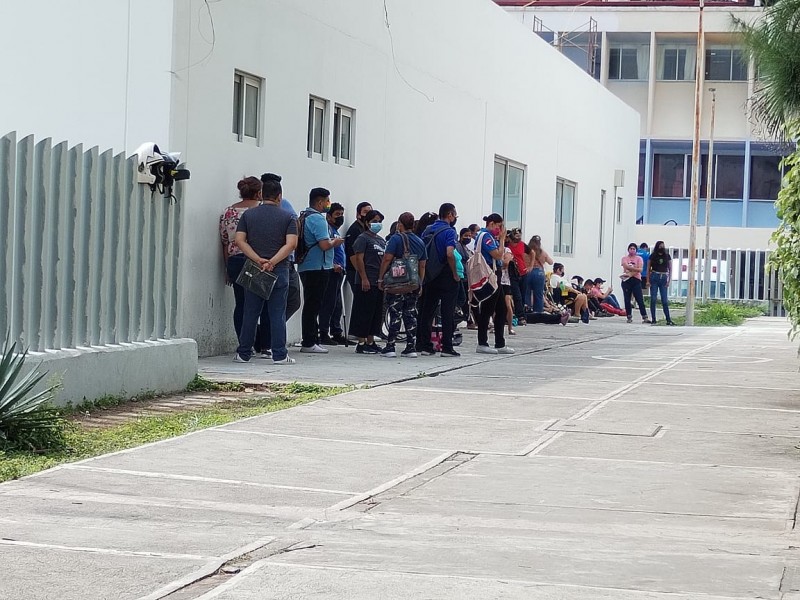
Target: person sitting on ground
402, 306
606, 292
594, 304
568, 295
595, 295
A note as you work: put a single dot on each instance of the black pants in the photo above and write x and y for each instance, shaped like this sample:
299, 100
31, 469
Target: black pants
493, 306
330, 314
516, 293
543, 317
443, 289
314, 284
367, 312
632, 287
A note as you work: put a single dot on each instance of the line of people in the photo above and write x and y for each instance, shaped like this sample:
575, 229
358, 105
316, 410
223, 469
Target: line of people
486, 276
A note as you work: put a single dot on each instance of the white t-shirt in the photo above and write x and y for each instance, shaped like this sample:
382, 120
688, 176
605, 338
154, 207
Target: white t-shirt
556, 282
504, 277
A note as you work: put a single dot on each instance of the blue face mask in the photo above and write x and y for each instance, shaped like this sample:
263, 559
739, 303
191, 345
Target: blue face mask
375, 227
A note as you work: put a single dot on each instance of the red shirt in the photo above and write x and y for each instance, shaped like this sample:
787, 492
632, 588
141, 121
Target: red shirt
518, 250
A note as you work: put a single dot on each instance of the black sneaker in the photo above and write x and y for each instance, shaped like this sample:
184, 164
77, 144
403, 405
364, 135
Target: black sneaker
388, 351
428, 352
375, 348
409, 352
340, 340
449, 353
365, 349
326, 340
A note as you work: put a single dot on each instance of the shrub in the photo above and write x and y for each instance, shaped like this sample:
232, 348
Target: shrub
27, 420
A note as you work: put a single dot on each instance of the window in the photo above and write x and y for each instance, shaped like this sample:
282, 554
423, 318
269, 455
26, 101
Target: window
725, 64
628, 62
668, 175
565, 217
676, 63
508, 191
765, 177
246, 103
601, 234
343, 135
729, 177
317, 118
640, 182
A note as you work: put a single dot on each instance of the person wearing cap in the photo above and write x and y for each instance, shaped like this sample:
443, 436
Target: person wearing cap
606, 293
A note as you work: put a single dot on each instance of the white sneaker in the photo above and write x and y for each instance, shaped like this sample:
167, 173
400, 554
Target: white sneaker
485, 350
505, 350
285, 361
239, 359
315, 349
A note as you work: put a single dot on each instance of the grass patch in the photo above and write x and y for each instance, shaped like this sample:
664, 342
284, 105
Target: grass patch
85, 442
201, 384
722, 314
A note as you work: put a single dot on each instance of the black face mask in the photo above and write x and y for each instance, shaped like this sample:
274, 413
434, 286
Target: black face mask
453, 224
338, 222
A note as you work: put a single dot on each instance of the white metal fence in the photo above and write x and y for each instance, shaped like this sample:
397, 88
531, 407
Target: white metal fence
89, 256
736, 274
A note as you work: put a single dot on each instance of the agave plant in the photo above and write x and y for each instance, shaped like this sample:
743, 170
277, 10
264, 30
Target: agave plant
27, 420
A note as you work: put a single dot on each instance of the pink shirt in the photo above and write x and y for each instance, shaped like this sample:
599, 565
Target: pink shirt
632, 261
228, 222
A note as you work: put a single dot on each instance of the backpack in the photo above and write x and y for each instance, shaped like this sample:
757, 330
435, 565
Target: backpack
480, 276
402, 277
302, 249
435, 263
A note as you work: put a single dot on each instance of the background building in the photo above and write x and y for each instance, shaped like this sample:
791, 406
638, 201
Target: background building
645, 53
428, 103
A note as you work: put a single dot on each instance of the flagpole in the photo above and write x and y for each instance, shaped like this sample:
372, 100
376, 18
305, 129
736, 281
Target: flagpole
695, 197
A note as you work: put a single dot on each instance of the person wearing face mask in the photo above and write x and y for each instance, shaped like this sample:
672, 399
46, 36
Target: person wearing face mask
315, 266
441, 282
632, 265
368, 251
330, 314
660, 271
490, 242
356, 228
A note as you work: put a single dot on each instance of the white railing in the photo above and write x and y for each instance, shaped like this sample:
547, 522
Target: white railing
90, 257
736, 274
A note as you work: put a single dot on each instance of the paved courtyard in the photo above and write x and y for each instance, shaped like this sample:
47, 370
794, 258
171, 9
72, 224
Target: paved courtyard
601, 462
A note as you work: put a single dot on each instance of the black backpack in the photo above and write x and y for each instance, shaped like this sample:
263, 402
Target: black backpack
302, 249
435, 263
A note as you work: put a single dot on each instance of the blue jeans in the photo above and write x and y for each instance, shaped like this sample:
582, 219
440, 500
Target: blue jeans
272, 311
536, 289
658, 284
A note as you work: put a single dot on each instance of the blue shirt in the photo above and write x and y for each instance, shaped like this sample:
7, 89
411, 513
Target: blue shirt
396, 248
645, 254
488, 243
339, 257
315, 229
287, 206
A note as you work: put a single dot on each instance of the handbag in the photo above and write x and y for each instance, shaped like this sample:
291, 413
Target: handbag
402, 276
254, 279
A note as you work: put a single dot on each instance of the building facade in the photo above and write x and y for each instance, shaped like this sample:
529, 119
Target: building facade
646, 54
404, 108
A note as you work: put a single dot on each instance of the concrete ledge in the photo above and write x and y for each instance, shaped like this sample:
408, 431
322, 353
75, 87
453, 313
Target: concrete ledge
118, 370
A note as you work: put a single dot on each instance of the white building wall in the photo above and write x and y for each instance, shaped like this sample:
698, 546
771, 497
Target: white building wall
95, 72
479, 92
466, 83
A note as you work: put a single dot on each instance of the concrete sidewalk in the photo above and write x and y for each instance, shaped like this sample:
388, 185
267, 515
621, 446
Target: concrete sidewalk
607, 461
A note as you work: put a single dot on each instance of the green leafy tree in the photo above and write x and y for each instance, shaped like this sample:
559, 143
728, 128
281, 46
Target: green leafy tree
773, 43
